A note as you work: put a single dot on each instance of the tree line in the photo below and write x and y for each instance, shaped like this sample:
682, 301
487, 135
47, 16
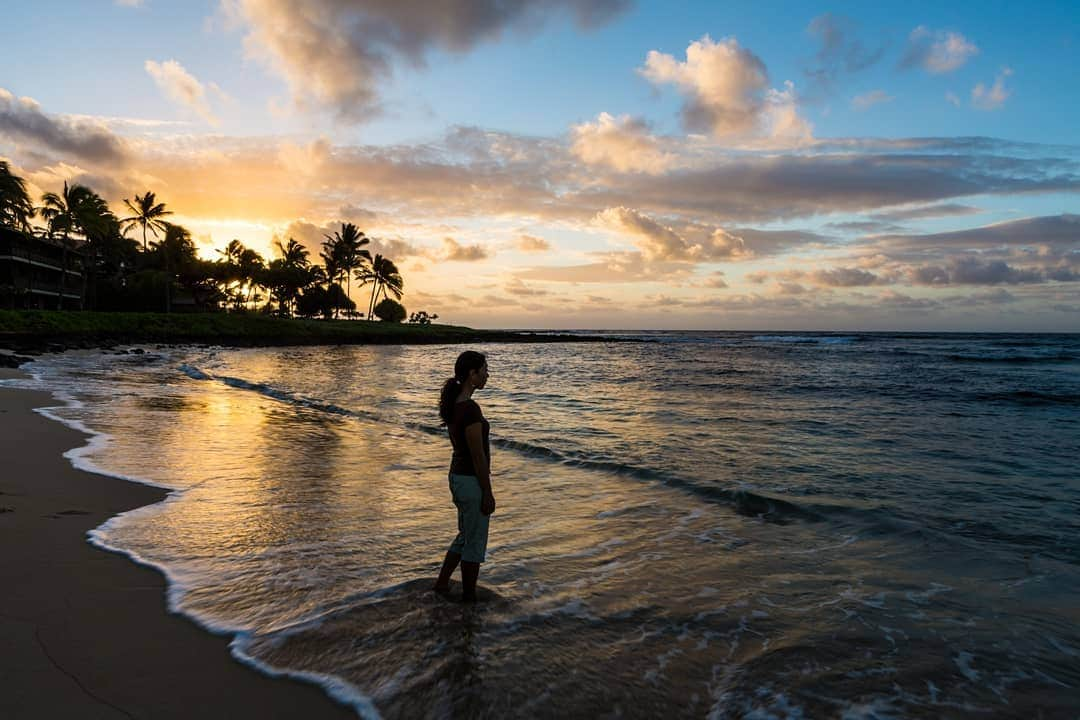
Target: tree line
123, 274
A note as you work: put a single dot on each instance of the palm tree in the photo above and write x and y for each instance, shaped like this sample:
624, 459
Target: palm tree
383, 275
294, 255
251, 265
16, 209
147, 213
233, 253
79, 209
343, 253
176, 249
286, 275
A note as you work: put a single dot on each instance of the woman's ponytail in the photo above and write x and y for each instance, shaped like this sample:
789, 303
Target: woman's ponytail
447, 397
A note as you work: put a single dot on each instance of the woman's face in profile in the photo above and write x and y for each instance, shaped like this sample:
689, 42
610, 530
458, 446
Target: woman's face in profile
480, 377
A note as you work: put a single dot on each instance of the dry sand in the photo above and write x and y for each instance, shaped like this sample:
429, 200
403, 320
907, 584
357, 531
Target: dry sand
85, 633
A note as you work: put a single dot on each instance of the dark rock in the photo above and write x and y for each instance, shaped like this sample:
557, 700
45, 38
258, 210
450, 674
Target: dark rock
13, 361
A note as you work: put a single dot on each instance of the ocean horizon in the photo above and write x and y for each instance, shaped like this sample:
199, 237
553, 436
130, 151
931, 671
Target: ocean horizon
699, 524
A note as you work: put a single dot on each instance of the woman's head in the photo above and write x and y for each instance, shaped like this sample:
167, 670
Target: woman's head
470, 369
471, 366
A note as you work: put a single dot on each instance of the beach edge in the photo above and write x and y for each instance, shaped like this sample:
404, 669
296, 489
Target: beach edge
86, 631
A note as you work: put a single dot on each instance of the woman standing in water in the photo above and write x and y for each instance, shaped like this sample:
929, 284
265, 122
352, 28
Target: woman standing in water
470, 472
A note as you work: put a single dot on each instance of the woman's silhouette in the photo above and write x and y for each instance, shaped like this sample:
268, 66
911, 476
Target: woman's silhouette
470, 472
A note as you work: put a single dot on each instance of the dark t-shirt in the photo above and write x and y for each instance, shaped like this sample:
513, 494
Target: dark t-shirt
466, 413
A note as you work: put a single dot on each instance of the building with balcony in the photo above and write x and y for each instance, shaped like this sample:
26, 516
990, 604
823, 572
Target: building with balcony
39, 273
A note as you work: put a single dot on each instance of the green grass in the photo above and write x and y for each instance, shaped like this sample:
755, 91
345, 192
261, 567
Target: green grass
221, 329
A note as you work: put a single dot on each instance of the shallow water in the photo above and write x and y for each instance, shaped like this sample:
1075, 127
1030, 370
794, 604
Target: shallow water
711, 524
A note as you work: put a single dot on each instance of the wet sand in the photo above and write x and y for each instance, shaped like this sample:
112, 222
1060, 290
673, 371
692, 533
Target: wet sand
85, 633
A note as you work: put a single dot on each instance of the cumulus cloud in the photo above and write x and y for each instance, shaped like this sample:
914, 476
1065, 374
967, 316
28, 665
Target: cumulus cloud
660, 242
727, 93
336, 53
937, 51
181, 87
622, 143
870, 99
840, 51
993, 97
22, 120
453, 250
532, 244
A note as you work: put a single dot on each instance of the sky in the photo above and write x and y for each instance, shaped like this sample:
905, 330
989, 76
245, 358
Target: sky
757, 165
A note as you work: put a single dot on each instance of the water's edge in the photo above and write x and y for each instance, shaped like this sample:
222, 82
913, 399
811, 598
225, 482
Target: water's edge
339, 690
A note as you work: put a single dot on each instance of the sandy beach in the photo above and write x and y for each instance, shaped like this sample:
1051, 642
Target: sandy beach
85, 633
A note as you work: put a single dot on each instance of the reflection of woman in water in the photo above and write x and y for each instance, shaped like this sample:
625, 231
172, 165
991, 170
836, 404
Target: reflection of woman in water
470, 472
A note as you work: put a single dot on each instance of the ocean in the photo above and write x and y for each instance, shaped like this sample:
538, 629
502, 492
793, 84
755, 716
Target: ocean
689, 524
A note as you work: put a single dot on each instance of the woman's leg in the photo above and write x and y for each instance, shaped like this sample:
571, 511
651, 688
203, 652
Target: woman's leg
449, 565
470, 571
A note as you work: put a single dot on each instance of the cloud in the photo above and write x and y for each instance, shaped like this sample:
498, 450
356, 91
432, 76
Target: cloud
928, 211
994, 97
532, 244
775, 186
22, 120
840, 51
621, 143
870, 99
976, 271
1050, 236
337, 53
1026, 251
893, 299
1000, 296
953, 99
455, 251
715, 281
611, 267
130, 3
845, 277
181, 87
865, 227
937, 51
519, 288
726, 90
659, 242
305, 160
834, 277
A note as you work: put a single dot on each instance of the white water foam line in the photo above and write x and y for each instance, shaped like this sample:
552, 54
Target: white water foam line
336, 688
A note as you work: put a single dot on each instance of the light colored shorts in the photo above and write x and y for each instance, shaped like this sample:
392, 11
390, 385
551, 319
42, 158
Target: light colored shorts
471, 540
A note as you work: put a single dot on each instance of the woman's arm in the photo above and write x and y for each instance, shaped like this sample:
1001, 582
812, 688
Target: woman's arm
474, 436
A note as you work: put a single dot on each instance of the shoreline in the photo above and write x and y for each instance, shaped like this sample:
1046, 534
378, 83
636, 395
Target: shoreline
86, 632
